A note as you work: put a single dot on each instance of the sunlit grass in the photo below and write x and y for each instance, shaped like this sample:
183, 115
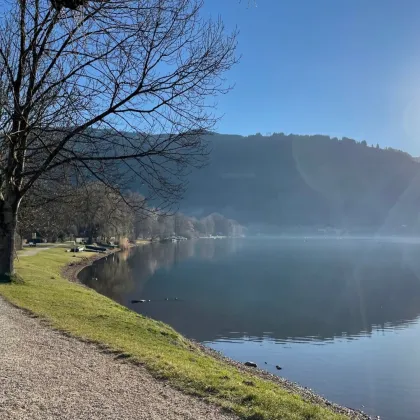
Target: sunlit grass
86, 314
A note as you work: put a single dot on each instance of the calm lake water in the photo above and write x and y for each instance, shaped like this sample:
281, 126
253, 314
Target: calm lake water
340, 316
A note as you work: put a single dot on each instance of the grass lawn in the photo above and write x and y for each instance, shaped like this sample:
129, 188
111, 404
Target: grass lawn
86, 314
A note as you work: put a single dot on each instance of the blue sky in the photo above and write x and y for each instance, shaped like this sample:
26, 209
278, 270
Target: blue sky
339, 67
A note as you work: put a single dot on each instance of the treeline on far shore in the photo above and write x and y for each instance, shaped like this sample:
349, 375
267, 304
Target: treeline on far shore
101, 213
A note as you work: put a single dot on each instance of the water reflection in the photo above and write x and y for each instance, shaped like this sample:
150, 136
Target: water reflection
340, 316
123, 273
282, 290
111, 277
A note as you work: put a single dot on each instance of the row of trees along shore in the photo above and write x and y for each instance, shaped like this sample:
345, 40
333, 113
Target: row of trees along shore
144, 72
98, 213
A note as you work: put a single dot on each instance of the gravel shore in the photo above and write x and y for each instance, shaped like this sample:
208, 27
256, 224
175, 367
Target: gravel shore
45, 375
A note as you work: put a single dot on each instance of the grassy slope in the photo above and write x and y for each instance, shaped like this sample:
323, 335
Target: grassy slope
89, 315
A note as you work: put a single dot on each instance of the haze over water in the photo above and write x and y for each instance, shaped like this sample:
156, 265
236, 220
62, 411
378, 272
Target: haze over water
338, 315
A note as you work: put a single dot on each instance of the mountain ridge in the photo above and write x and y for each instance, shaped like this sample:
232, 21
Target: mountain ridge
307, 180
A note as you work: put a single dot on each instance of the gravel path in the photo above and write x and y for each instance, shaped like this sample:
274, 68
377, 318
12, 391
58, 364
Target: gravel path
30, 252
45, 375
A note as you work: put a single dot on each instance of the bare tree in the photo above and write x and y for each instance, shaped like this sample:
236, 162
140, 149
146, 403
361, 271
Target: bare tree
114, 90
50, 210
103, 212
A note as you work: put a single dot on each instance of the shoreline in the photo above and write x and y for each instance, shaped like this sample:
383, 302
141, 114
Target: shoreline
293, 387
48, 374
70, 272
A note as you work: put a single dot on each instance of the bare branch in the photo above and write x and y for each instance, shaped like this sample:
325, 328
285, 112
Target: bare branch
120, 91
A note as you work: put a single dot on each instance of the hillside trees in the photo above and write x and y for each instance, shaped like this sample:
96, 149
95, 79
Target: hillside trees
292, 182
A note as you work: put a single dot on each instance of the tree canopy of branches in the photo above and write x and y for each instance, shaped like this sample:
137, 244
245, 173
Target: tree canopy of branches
97, 213
91, 210
111, 91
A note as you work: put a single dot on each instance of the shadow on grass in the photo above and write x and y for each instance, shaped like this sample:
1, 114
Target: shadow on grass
11, 278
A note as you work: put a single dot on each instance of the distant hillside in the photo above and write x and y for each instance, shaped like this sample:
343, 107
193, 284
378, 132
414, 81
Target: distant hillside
293, 180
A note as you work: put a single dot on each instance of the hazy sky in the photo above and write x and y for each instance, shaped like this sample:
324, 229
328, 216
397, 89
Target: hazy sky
339, 67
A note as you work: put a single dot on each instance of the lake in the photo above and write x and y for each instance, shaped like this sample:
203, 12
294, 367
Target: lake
340, 316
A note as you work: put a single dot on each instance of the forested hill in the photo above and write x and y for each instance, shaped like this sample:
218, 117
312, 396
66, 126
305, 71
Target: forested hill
293, 180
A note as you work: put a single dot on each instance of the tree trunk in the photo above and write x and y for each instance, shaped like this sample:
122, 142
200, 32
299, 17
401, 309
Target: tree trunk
8, 222
18, 242
90, 237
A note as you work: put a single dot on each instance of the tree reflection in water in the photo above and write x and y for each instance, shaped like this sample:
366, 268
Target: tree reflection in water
121, 273
283, 290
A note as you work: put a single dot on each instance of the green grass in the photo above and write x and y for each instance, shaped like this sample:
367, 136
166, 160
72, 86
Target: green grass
168, 355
